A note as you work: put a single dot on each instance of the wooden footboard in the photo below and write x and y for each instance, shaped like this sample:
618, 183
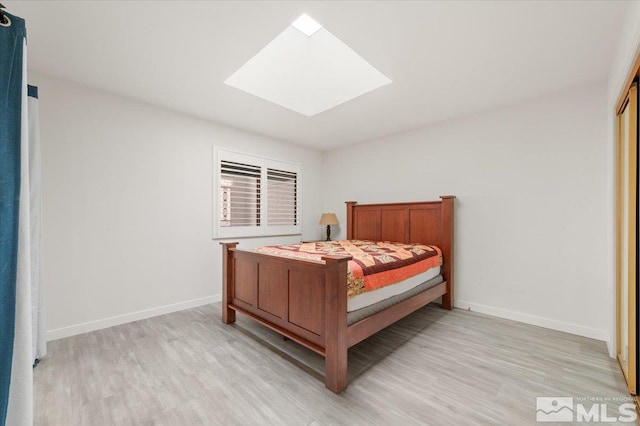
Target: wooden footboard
303, 300
306, 300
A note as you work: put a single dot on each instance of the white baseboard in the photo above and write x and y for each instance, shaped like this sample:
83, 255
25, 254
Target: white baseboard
60, 333
579, 330
90, 326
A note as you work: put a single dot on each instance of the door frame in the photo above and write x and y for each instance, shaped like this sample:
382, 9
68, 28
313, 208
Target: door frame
631, 102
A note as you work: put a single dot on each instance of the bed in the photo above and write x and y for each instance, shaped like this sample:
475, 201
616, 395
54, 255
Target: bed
306, 300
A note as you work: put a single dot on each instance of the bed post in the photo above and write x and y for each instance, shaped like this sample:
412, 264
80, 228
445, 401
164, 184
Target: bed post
336, 344
228, 314
350, 205
446, 244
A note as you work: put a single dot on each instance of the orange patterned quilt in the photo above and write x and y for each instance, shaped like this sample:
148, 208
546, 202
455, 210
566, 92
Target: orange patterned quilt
374, 264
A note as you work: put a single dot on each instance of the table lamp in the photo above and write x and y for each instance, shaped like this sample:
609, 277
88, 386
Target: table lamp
328, 219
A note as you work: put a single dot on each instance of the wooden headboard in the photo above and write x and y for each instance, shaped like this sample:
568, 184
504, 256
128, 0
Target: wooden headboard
428, 222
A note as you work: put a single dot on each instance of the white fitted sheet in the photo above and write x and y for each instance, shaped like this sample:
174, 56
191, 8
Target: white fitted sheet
369, 298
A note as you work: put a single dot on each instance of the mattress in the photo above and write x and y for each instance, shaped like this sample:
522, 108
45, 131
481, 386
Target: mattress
360, 314
371, 297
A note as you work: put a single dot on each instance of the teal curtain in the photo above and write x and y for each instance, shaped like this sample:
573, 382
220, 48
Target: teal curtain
11, 64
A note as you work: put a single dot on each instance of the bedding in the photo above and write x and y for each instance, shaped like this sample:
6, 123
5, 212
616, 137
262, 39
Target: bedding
375, 265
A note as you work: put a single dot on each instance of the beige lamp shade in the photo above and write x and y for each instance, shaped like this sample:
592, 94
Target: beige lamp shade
328, 219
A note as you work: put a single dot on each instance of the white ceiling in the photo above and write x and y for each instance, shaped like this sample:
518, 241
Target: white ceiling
446, 59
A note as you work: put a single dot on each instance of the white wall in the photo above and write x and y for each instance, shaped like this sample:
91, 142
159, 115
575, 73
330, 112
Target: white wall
531, 214
624, 59
128, 206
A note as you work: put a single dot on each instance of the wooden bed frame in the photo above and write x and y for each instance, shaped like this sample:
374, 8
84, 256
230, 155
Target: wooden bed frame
306, 301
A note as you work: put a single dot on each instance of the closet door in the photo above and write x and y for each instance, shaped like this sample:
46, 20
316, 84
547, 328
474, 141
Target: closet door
626, 224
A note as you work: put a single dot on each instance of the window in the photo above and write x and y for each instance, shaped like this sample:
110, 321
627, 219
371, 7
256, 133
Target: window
255, 196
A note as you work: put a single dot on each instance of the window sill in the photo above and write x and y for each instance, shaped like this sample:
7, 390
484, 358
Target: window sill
250, 237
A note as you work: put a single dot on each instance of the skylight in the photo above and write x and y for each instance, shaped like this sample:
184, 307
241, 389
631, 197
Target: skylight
308, 70
306, 25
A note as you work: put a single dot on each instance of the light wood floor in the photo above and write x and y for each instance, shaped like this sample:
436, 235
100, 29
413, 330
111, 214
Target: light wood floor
435, 367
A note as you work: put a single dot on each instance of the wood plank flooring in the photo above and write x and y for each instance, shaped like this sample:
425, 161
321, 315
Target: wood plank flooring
435, 367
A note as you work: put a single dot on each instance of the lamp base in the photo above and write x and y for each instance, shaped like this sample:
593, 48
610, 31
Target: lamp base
328, 233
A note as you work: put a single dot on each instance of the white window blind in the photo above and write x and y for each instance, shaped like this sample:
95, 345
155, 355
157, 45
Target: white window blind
239, 194
282, 198
255, 196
